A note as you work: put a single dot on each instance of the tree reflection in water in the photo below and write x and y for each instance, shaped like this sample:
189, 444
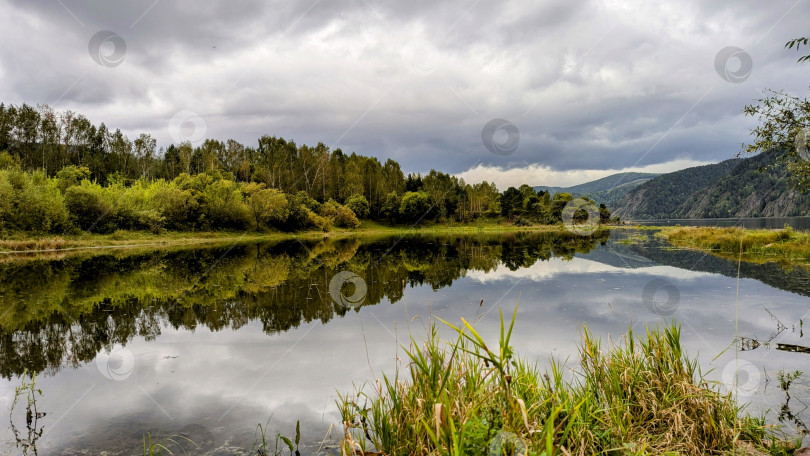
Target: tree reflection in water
63, 312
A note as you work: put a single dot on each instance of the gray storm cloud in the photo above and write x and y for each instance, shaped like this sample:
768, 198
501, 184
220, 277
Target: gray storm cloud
594, 85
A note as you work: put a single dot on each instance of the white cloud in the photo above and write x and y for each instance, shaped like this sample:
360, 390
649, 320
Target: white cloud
546, 270
544, 175
590, 84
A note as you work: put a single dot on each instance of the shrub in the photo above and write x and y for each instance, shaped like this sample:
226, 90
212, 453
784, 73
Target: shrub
329, 208
359, 205
7, 197
269, 207
223, 207
299, 207
31, 202
8, 161
89, 208
520, 221
317, 221
346, 218
178, 208
70, 176
339, 214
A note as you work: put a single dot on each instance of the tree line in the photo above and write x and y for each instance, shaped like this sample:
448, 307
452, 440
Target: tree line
60, 173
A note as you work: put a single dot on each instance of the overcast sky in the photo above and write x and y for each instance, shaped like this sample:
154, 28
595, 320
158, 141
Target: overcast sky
587, 87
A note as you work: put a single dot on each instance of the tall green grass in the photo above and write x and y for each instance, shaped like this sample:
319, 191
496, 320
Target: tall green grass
753, 245
465, 397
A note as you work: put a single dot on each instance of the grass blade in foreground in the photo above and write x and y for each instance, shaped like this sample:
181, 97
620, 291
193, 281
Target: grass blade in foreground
642, 396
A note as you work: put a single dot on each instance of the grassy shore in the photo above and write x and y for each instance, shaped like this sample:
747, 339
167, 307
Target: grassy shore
758, 246
27, 243
641, 396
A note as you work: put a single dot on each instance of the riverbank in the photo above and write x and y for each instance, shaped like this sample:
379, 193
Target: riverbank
24, 243
642, 395
757, 246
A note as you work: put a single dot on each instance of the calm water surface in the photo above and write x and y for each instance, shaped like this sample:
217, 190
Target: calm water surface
206, 343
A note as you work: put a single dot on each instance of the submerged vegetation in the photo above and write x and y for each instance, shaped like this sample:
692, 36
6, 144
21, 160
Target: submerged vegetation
750, 245
642, 396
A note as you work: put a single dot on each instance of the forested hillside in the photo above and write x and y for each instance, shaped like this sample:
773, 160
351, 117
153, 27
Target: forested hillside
608, 190
757, 186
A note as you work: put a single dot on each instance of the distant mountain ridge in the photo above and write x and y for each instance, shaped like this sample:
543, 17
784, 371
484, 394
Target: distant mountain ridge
609, 190
755, 186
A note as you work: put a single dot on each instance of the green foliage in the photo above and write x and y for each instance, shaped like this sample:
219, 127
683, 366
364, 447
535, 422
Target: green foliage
179, 208
781, 119
261, 444
268, 206
520, 221
8, 161
558, 203
798, 42
71, 175
414, 206
359, 205
345, 217
319, 222
511, 203
758, 186
134, 290
786, 379
640, 396
604, 214
390, 209
225, 184
28, 390
608, 190
299, 207
758, 246
89, 207
31, 202
222, 205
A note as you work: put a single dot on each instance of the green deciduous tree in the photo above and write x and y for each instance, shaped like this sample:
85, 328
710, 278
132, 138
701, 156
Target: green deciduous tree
359, 205
784, 123
414, 207
268, 206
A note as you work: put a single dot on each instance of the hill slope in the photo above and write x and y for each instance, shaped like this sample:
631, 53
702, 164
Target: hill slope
755, 186
609, 190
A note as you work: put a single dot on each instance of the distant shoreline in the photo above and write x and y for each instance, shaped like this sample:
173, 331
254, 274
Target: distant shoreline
751, 245
24, 244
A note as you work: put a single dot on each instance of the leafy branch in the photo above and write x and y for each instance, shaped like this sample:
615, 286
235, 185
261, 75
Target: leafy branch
797, 43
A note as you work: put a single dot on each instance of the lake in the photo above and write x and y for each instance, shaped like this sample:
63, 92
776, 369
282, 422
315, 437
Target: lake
206, 343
